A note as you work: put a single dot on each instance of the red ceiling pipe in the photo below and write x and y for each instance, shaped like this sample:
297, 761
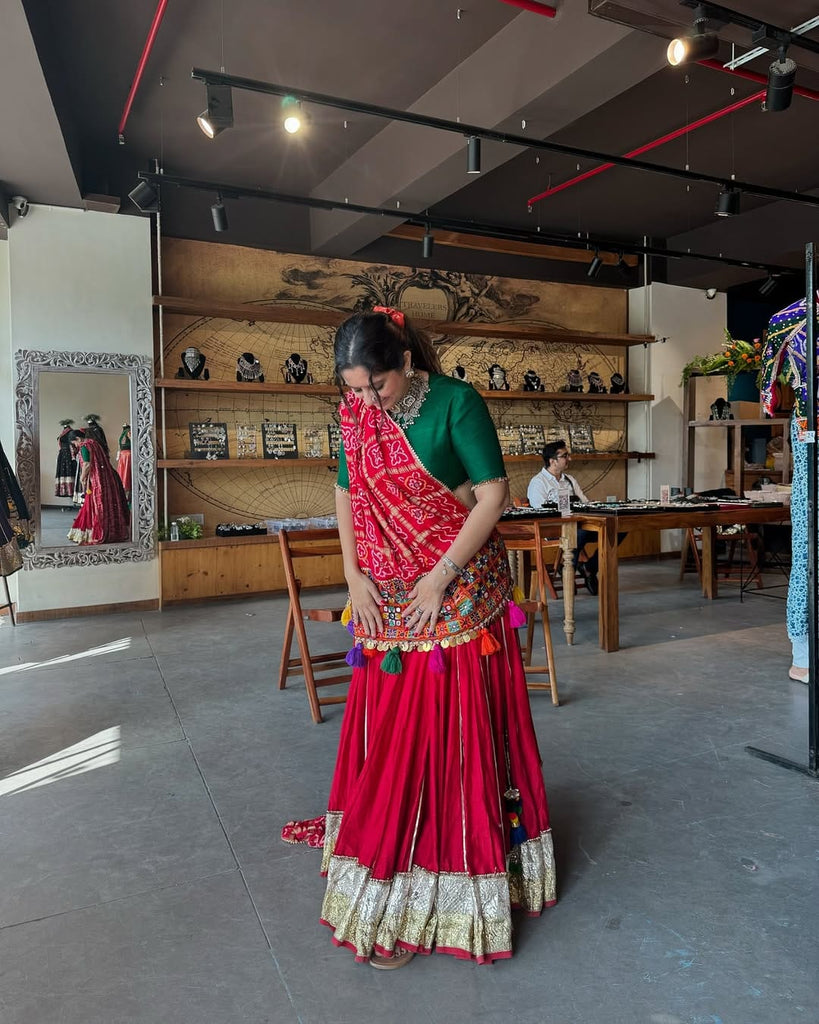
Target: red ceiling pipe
669, 137
754, 76
143, 60
532, 5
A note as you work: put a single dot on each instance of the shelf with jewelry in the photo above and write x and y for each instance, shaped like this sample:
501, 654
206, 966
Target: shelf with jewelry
200, 342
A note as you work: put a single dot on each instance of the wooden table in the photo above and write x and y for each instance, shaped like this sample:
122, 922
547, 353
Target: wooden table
609, 524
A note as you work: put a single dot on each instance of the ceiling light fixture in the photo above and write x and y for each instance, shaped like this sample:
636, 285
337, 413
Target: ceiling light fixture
595, 265
219, 113
473, 155
697, 45
728, 202
427, 243
144, 197
781, 79
711, 293
768, 285
219, 215
292, 115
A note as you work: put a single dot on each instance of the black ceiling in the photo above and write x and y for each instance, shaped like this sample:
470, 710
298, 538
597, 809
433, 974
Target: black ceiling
66, 67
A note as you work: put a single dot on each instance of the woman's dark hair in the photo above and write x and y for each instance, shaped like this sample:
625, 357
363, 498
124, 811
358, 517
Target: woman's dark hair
551, 449
76, 435
376, 343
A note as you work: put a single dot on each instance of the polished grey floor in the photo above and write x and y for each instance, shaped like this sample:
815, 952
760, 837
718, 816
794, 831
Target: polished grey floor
147, 764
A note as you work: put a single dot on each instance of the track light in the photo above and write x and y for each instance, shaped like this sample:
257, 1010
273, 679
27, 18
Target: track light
697, 45
623, 267
781, 77
768, 285
219, 215
219, 112
473, 155
711, 293
427, 244
293, 120
728, 203
144, 197
595, 265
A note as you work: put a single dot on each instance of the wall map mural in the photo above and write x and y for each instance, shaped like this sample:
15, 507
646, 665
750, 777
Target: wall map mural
218, 273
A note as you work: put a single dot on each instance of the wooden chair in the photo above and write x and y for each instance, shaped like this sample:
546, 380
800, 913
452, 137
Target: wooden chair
727, 568
295, 546
529, 538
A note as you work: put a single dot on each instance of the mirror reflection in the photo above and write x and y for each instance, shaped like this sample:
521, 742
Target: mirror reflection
84, 429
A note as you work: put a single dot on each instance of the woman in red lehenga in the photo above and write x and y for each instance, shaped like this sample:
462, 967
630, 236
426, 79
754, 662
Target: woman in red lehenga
437, 823
104, 517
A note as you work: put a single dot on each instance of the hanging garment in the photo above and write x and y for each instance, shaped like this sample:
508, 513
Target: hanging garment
16, 528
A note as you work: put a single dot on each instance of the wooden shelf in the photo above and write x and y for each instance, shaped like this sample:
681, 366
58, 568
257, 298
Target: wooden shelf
241, 463
312, 390
736, 423
559, 396
587, 457
254, 313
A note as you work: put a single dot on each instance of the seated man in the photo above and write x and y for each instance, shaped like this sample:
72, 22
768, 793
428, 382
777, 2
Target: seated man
553, 480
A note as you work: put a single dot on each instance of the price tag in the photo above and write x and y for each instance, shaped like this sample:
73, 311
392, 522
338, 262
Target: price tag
803, 435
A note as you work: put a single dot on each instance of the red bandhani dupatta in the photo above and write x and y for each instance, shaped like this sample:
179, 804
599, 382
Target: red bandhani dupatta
104, 517
404, 521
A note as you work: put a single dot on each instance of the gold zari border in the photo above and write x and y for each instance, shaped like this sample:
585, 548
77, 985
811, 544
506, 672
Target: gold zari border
422, 909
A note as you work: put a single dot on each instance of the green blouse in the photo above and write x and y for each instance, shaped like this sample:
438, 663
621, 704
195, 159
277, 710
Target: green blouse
453, 436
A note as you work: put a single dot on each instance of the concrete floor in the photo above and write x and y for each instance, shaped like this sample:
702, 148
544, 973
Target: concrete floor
148, 763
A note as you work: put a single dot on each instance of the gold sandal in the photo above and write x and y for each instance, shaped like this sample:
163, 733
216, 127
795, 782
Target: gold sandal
398, 958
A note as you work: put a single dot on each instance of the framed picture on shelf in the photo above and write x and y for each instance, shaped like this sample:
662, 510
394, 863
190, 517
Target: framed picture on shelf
334, 437
581, 438
209, 440
313, 443
279, 441
531, 438
509, 438
247, 442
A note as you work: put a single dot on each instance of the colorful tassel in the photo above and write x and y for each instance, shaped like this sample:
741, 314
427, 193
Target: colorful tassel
488, 643
355, 657
351, 627
436, 662
391, 664
347, 614
370, 652
517, 617
517, 833
517, 595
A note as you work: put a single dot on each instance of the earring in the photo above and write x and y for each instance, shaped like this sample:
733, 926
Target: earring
409, 373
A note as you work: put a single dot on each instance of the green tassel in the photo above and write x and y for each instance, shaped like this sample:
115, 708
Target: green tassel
391, 663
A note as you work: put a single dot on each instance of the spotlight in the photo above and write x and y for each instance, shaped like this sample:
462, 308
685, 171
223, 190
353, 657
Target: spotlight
219, 215
473, 155
768, 285
624, 268
427, 244
781, 76
697, 45
144, 197
595, 265
293, 120
728, 203
219, 113
710, 293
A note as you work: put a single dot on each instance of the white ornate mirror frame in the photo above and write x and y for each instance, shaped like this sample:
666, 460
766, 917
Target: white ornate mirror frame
30, 364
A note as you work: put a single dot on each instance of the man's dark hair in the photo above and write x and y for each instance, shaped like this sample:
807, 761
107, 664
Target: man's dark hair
551, 449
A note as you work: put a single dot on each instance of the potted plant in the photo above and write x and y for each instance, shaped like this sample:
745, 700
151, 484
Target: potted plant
739, 361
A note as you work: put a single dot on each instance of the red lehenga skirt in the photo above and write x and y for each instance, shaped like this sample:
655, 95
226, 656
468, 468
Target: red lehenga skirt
420, 850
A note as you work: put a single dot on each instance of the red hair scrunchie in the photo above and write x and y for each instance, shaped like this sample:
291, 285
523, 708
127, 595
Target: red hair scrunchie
395, 315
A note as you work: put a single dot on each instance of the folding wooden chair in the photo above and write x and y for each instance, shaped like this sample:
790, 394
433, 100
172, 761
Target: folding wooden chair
529, 538
295, 546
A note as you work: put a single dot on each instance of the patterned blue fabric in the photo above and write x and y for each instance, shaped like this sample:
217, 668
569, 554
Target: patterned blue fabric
798, 585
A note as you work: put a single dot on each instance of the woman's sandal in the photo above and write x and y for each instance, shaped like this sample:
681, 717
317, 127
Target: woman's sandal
800, 675
400, 958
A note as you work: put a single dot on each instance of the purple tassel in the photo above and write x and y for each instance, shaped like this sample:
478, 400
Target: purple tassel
351, 627
355, 657
517, 617
437, 663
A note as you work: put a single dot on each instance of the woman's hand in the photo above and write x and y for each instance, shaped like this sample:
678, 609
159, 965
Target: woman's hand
365, 602
425, 601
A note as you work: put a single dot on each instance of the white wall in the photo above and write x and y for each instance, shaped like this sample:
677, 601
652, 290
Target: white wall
77, 281
691, 325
